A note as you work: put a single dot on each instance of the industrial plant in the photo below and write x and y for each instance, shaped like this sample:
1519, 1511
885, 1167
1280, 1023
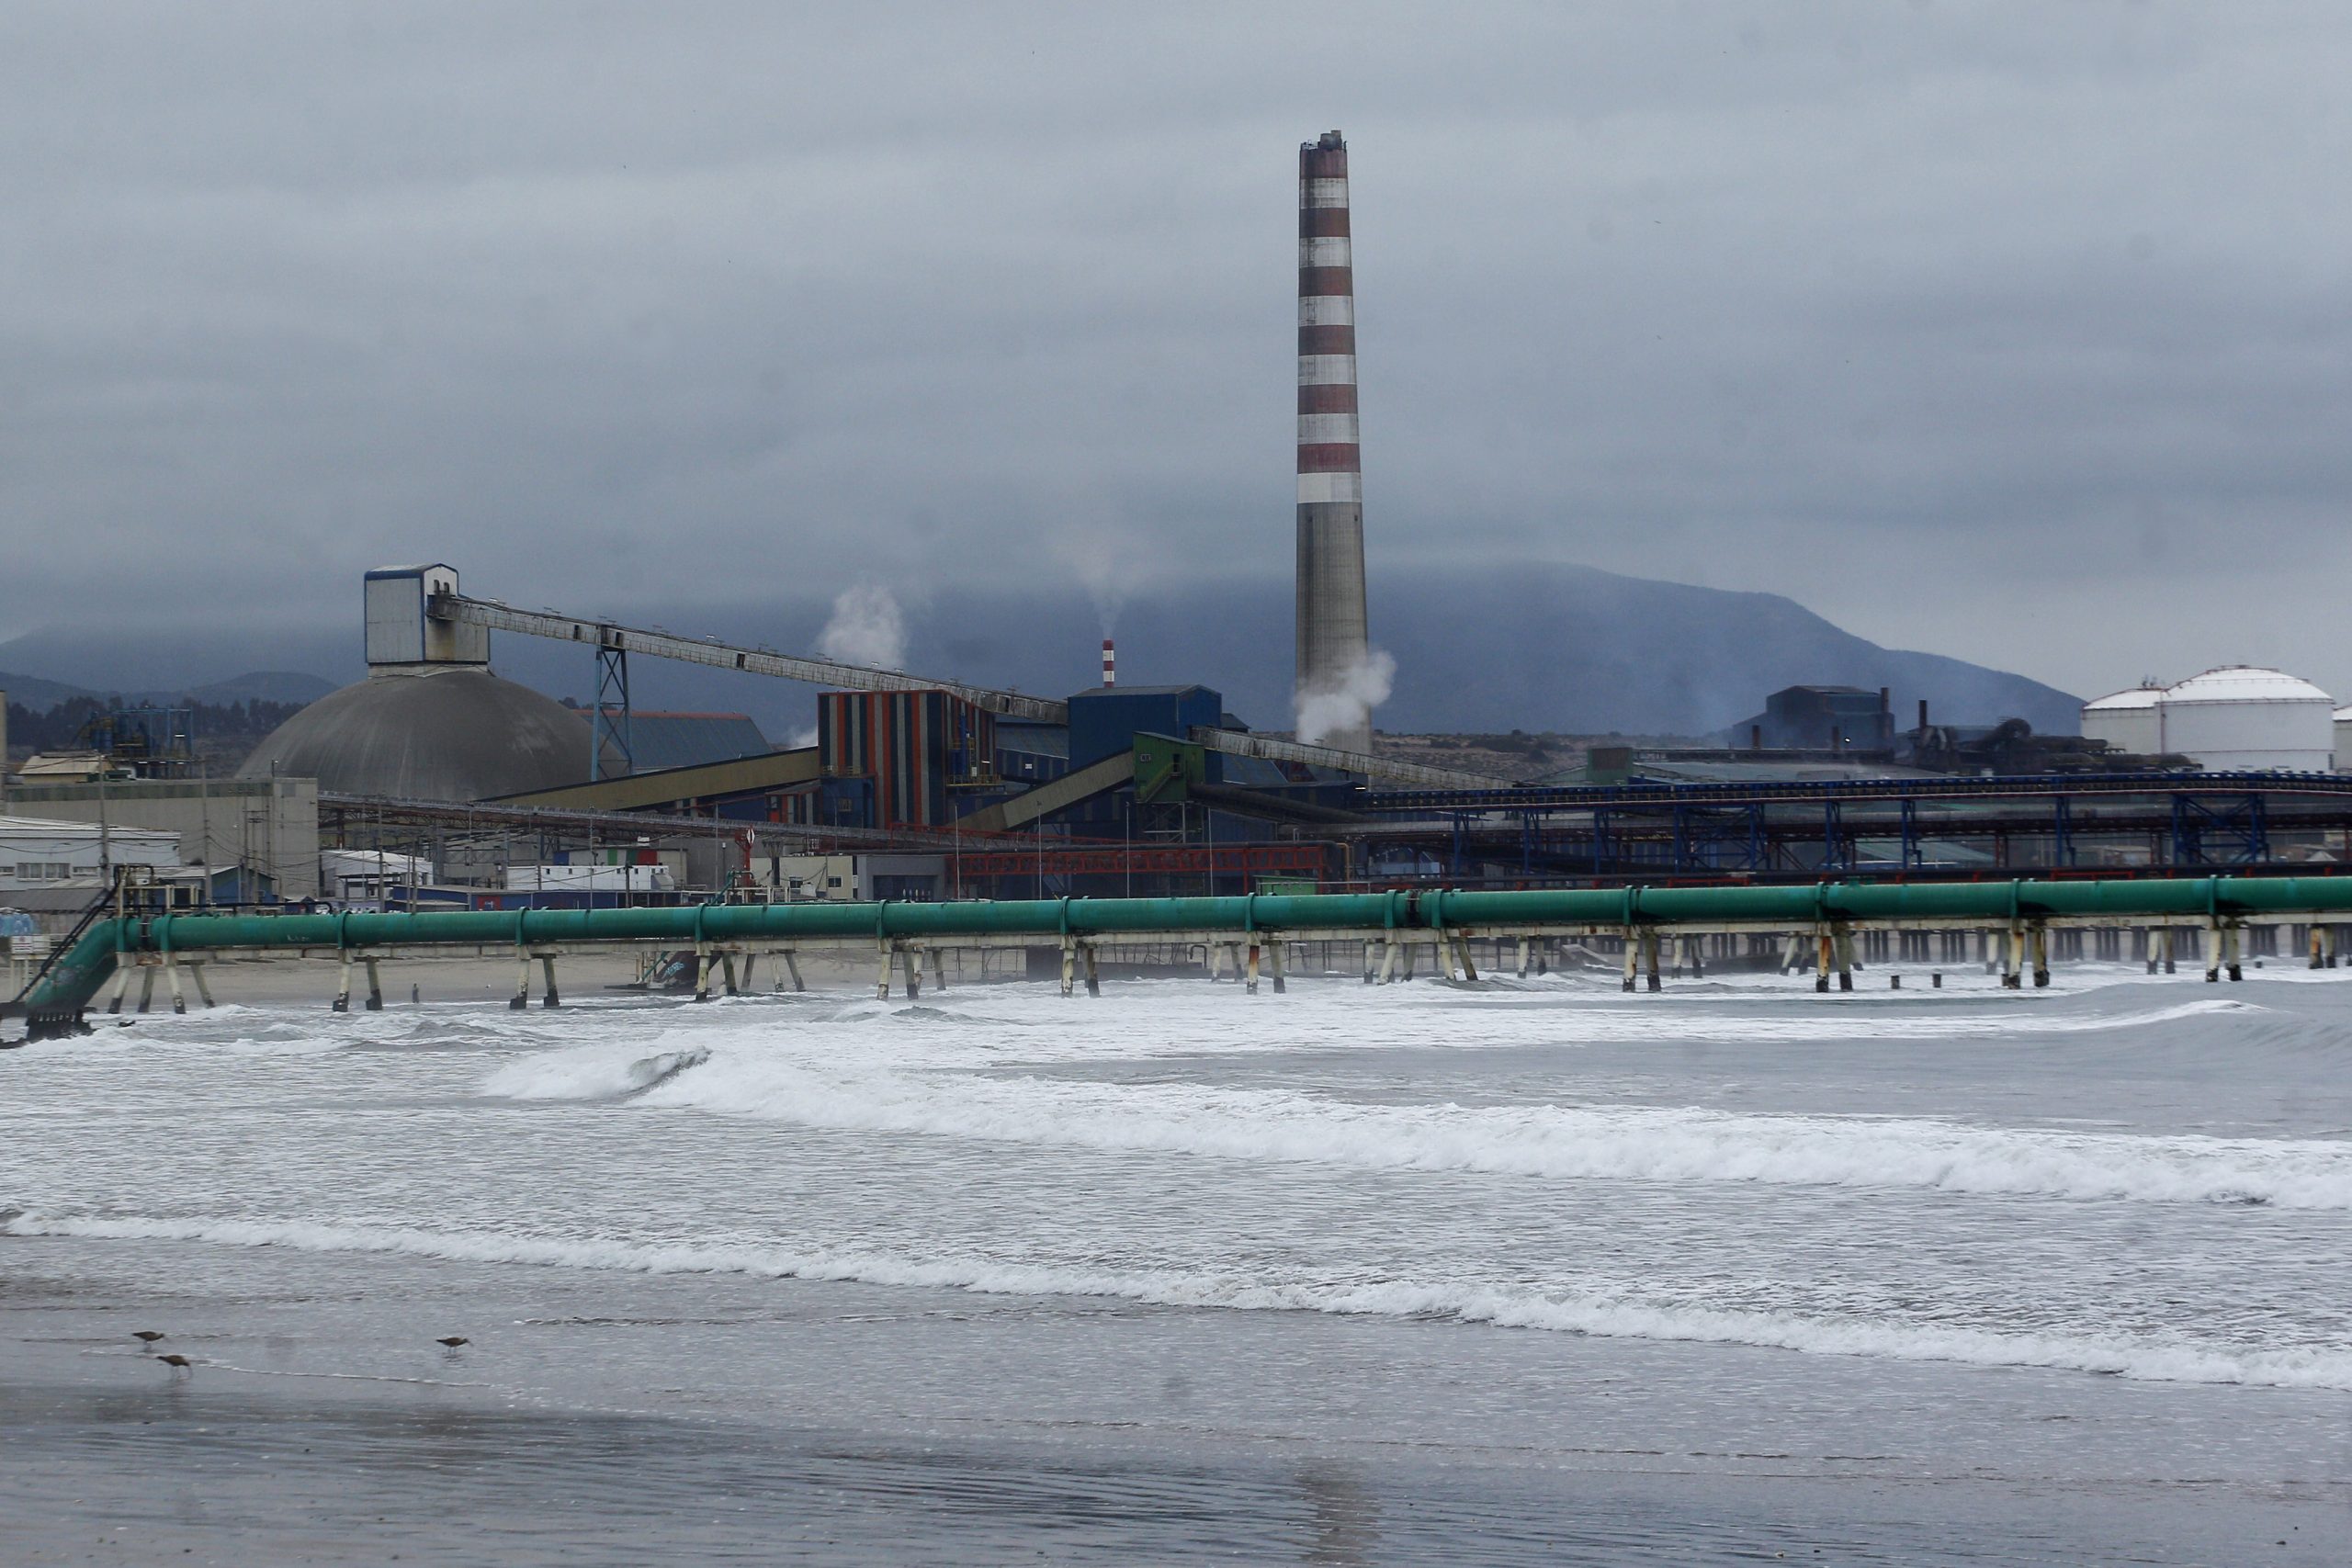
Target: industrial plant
436, 785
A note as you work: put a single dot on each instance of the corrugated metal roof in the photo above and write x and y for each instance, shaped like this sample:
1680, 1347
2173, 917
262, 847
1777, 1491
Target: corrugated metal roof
1034, 739
659, 740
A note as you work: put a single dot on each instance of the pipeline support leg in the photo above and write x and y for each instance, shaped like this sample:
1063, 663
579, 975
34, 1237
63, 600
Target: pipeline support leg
792, 967
553, 998
522, 998
1650, 942
1069, 966
2040, 956
376, 984
2232, 944
1632, 958
1845, 941
2213, 953
911, 971
121, 984
172, 978
1093, 972
196, 973
938, 968
1276, 959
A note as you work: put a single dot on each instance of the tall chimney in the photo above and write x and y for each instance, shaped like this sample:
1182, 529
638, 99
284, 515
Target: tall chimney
1110, 664
1333, 641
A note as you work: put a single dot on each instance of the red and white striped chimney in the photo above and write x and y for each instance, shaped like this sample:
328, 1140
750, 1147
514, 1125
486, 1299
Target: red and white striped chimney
1110, 664
1333, 640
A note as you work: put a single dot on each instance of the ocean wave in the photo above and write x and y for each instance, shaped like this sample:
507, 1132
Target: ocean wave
1623, 1143
592, 1072
1598, 1314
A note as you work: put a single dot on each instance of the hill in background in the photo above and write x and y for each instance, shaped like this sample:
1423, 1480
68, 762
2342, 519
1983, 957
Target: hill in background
1541, 649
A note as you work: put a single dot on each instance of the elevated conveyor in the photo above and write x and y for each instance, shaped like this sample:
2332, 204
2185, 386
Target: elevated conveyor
1054, 795
1237, 743
458, 609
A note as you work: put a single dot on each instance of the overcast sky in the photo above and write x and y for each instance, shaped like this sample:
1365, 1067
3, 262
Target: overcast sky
2012, 332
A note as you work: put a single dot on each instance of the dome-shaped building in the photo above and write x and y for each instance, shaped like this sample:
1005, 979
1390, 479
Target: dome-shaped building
429, 732
430, 722
2241, 718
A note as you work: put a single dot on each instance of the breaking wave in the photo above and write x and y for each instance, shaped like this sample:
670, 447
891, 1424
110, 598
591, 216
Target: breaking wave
1596, 1313
1623, 1143
592, 1072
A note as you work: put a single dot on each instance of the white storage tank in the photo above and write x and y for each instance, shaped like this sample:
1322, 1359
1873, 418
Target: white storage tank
2239, 718
2344, 740
2126, 720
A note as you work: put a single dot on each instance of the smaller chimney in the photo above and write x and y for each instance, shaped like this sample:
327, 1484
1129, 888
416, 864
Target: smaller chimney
1110, 664
1923, 715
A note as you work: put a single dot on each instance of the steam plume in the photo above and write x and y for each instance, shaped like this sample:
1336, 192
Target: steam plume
1363, 687
866, 628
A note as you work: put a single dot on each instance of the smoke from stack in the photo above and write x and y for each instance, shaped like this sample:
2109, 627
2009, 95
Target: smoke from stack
1337, 680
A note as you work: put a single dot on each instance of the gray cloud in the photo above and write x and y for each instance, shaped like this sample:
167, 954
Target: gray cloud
2012, 332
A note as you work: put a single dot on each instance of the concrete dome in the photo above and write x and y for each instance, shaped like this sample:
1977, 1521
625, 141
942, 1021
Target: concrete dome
426, 732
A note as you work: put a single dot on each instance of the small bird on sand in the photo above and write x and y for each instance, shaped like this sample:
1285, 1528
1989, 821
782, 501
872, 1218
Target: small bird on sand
177, 1362
454, 1340
145, 1335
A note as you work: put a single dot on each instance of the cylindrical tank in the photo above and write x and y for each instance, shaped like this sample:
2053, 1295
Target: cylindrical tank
2126, 720
2241, 718
2344, 740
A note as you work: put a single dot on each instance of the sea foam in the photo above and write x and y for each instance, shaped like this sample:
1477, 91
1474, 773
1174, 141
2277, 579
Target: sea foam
1598, 1314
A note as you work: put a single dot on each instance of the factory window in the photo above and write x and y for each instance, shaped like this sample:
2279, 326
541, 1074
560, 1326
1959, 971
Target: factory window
832, 882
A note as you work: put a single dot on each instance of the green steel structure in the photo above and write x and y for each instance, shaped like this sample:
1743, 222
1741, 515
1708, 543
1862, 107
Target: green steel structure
55, 1002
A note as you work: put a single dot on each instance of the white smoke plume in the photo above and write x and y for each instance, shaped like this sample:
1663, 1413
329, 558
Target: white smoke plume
867, 629
1361, 689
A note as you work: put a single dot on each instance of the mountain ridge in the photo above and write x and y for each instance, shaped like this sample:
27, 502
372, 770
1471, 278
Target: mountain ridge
1539, 647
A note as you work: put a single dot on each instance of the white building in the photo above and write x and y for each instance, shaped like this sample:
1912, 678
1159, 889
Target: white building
2344, 740
2126, 720
40, 853
2236, 718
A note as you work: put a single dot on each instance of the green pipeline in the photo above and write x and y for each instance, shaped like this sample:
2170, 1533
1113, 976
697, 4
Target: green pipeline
73, 980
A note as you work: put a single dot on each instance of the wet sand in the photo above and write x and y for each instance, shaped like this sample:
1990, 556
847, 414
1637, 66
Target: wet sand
625, 1419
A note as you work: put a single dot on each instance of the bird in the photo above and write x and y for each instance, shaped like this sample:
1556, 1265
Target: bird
453, 1340
176, 1362
146, 1336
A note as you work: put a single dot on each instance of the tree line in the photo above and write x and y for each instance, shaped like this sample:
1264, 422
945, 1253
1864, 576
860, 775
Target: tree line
218, 726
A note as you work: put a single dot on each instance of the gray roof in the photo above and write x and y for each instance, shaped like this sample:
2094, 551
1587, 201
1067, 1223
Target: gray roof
455, 732
659, 740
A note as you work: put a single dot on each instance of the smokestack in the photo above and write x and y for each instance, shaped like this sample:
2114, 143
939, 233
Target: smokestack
1110, 664
1334, 646
1923, 715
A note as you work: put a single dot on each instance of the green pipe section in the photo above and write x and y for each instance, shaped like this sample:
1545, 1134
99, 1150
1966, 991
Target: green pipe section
56, 1001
